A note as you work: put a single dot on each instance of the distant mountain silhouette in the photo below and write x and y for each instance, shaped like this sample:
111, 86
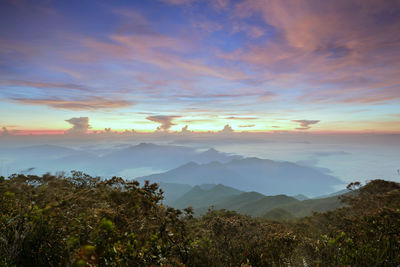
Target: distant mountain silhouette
159, 157
109, 161
252, 174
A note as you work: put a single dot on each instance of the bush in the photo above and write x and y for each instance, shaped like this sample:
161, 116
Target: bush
85, 221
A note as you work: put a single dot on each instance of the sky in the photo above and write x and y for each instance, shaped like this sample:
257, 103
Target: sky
75, 67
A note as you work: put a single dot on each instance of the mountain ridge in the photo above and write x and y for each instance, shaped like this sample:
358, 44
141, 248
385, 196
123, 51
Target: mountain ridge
252, 174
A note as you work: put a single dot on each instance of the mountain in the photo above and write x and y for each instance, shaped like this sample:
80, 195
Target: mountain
262, 206
236, 202
127, 160
338, 193
277, 207
257, 205
252, 174
300, 197
159, 157
307, 207
198, 196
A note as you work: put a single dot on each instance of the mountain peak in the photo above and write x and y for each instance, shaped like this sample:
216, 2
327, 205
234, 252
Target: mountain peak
211, 150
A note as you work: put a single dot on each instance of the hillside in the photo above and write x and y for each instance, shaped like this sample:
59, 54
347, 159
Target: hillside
260, 207
278, 214
308, 206
203, 197
220, 197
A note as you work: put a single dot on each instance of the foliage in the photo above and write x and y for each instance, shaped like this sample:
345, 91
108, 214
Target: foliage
85, 221
82, 220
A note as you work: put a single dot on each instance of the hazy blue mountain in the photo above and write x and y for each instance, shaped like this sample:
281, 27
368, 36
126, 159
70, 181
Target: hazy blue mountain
111, 160
253, 174
159, 157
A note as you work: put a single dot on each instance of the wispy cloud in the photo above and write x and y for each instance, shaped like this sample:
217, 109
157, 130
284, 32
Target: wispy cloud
332, 45
241, 118
232, 60
43, 85
94, 103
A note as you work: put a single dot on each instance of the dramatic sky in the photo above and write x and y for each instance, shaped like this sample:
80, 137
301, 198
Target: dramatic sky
255, 65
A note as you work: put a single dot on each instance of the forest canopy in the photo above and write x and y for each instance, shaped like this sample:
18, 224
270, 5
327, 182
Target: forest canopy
79, 220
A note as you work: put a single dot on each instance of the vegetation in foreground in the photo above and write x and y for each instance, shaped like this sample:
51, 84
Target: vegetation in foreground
84, 221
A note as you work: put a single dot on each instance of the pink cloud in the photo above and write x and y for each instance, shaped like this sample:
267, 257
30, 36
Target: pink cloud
43, 85
305, 124
166, 122
347, 45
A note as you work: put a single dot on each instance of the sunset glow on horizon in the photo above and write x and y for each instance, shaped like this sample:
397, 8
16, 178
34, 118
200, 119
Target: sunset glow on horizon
199, 66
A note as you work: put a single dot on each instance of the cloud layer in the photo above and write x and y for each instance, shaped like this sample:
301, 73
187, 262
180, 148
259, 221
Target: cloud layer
78, 104
247, 63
